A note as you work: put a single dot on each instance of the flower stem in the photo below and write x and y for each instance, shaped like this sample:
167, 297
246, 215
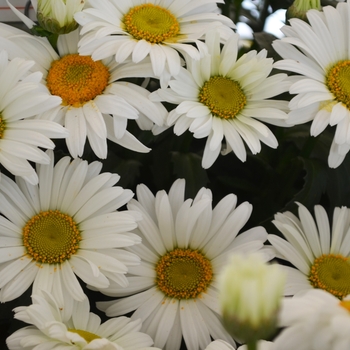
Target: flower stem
53, 38
252, 345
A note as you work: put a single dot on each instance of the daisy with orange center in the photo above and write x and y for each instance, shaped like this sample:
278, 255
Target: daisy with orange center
96, 105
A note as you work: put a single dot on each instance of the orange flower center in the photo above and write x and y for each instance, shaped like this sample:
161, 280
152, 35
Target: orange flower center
77, 79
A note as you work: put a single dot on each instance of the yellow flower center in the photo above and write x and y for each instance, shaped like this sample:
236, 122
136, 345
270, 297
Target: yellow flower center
183, 273
151, 23
223, 96
85, 334
51, 237
331, 273
338, 82
2, 126
77, 79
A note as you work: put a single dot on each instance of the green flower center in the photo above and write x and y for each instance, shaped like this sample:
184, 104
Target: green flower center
51, 237
84, 334
331, 273
338, 82
223, 96
77, 79
2, 126
151, 23
183, 273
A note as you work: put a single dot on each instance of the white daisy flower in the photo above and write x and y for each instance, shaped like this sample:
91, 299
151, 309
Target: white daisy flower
185, 244
160, 29
22, 96
223, 345
220, 96
52, 328
95, 105
261, 345
319, 52
65, 226
315, 320
220, 345
320, 254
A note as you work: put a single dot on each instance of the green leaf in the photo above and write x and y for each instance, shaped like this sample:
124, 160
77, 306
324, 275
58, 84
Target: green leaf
315, 183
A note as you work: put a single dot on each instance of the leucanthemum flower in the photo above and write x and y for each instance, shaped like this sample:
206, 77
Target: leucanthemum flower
185, 244
223, 345
220, 345
160, 29
319, 52
315, 320
67, 225
52, 327
95, 105
320, 254
220, 96
22, 96
261, 345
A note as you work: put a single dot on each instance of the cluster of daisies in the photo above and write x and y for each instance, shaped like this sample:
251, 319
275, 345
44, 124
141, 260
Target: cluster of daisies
66, 226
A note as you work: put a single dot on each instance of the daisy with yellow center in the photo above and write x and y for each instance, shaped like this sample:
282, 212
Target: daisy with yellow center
158, 29
67, 225
76, 328
185, 244
320, 255
222, 97
95, 104
319, 52
314, 320
21, 137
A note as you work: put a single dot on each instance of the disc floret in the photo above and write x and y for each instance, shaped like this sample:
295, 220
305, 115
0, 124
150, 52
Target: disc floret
183, 273
332, 273
77, 79
51, 237
338, 82
223, 96
152, 23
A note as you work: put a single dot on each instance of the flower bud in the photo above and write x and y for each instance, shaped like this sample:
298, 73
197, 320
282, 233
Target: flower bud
250, 296
299, 8
56, 16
